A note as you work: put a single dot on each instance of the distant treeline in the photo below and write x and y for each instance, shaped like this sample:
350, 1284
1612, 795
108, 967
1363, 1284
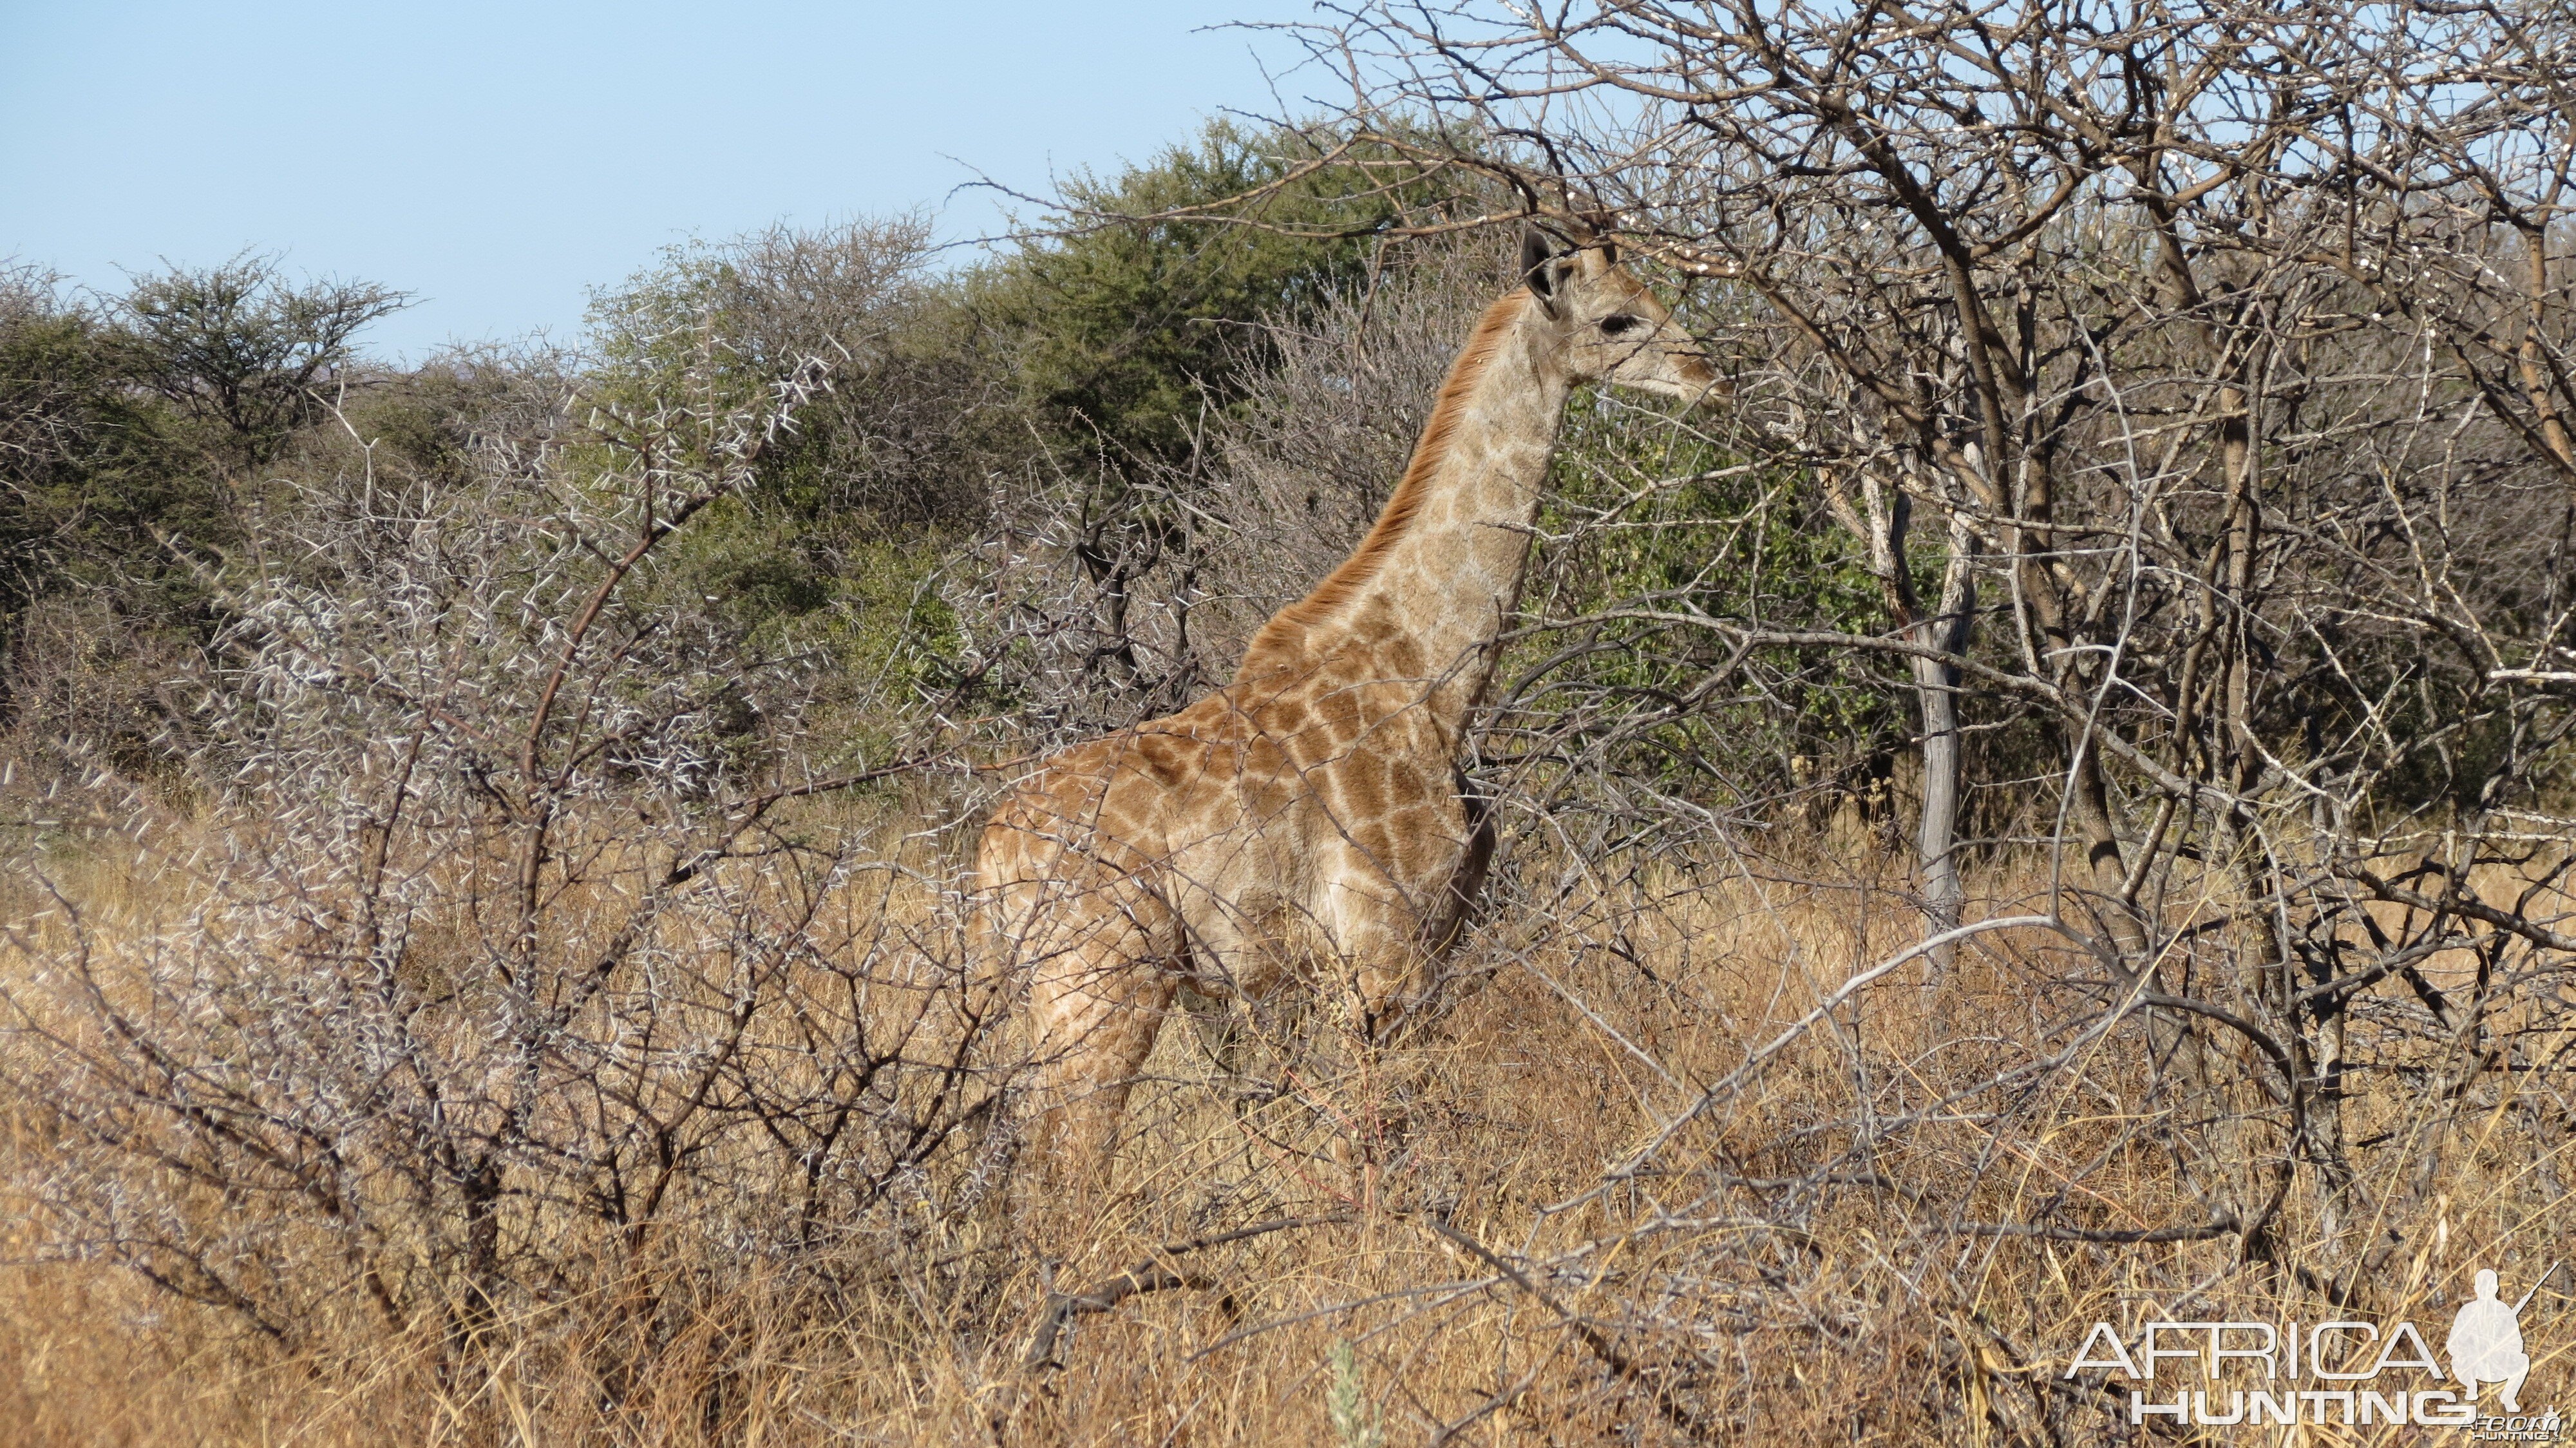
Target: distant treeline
151, 439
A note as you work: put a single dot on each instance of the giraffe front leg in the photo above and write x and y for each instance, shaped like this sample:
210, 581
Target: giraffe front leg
1096, 1010
1377, 942
1372, 962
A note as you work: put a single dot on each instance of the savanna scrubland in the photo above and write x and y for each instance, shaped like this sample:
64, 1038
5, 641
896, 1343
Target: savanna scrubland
2042, 807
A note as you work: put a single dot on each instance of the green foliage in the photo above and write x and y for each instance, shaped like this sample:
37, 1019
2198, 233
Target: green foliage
787, 588
426, 420
241, 352
1657, 515
1121, 332
649, 335
84, 478
1355, 1423
898, 442
128, 433
830, 556
122, 428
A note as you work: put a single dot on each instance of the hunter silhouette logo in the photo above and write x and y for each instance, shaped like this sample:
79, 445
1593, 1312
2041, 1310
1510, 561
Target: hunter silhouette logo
2348, 1373
2486, 1341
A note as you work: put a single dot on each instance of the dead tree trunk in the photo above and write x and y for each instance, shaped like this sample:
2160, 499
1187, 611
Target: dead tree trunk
1888, 518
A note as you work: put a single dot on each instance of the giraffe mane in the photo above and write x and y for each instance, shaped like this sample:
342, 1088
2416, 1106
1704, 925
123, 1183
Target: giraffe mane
1278, 636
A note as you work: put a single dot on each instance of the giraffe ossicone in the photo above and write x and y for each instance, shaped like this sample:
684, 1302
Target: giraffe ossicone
1312, 811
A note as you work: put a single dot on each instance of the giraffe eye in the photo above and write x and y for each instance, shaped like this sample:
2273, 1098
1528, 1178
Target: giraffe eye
1621, 325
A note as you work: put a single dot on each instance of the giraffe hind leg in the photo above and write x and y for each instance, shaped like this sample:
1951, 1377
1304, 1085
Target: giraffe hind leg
1096, 1007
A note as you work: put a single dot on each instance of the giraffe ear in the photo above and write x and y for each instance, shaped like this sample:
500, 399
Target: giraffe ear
1537, 253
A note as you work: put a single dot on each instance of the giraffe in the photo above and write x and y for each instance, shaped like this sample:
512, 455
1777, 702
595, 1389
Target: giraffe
1314, 809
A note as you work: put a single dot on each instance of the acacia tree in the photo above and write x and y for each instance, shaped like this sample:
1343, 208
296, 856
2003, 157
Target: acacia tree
240, 350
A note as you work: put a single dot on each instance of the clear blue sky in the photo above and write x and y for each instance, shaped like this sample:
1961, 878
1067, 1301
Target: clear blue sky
500, 159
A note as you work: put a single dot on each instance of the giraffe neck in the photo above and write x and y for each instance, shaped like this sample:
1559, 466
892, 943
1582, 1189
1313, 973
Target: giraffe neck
1425, 595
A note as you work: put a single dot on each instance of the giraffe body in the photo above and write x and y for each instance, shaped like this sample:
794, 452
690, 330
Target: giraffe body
1310, 816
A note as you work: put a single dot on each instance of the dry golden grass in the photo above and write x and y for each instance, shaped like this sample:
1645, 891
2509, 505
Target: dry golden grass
1811, 1257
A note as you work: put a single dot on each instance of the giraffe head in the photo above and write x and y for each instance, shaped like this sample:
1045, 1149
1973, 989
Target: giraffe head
1607, 325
